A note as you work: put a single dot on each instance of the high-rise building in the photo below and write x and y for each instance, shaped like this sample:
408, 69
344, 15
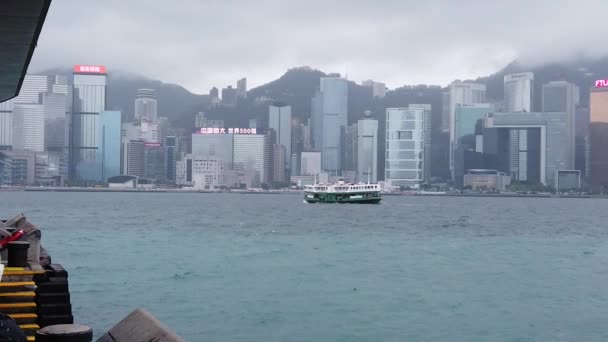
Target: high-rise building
88, 100
581, 135
330, 108
518, 92
229, 96
348, 148
108, 145
407, 146
561, 96
542, 147
462, 93
171, 152
28, 127
133, 158
214, 96
310, 163
241, 87
279, 120
154, 162
467, 119
34, 86
6, 129
143, 130
55, 109
598, 139
253, 152
279, 156
213, 147
367, 149
378, 88
146, 105
445, 111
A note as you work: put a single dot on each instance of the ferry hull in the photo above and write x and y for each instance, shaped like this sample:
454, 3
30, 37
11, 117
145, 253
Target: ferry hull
331, 199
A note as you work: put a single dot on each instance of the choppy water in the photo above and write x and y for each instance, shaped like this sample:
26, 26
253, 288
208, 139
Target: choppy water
224, 267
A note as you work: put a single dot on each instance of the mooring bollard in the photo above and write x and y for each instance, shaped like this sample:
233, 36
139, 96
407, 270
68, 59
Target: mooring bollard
65, 333
17, 253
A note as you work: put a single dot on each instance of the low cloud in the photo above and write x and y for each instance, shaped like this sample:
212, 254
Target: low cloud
200, 44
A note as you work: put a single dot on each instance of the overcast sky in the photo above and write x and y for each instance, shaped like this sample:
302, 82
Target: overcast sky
205, 43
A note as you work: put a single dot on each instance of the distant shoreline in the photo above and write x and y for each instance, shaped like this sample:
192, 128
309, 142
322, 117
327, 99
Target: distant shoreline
280, 192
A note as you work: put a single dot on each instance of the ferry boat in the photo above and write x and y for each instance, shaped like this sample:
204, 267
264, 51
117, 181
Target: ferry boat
342, 192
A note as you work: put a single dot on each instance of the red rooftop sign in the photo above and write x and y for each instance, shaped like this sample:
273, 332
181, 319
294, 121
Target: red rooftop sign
601, 83
91, 69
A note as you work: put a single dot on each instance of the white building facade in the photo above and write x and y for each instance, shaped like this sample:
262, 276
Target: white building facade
407, 141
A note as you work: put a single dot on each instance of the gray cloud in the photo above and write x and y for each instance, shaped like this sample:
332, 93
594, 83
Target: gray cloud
200, 44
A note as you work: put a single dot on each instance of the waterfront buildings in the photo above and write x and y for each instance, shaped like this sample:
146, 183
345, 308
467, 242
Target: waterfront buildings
252, 152
463, 93
367, 149
543, 144
561, 96
310, 163
109, 146
279, 120
407, 146
88, 100
598, 139
171, 154
329, 114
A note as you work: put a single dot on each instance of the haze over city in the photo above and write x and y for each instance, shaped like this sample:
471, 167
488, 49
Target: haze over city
200, 44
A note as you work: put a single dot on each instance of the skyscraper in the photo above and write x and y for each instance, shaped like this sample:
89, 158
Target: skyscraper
88, 100
108, 151
146, 105
462, 93
133, 158
241, 87
348, 148
561, 96
31, 91
154, 162
598, 139
55, 108
252, 152
229, 96
171, 152
367, 149
518, 92
28, 127
279, 119
213, 147
378, 88
278, 160
330, 108
542, 148
407, 139
310, 164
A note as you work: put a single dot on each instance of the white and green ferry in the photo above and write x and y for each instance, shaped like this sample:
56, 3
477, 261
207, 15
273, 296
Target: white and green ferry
342, 192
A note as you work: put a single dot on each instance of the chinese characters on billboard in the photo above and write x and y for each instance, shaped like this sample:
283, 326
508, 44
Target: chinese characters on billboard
216, 130
91, 69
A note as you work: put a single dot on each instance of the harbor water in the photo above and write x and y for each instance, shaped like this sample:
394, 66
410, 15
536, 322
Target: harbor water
247, 267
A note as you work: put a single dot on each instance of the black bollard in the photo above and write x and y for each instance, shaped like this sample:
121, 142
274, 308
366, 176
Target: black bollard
65, 333
17, 253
